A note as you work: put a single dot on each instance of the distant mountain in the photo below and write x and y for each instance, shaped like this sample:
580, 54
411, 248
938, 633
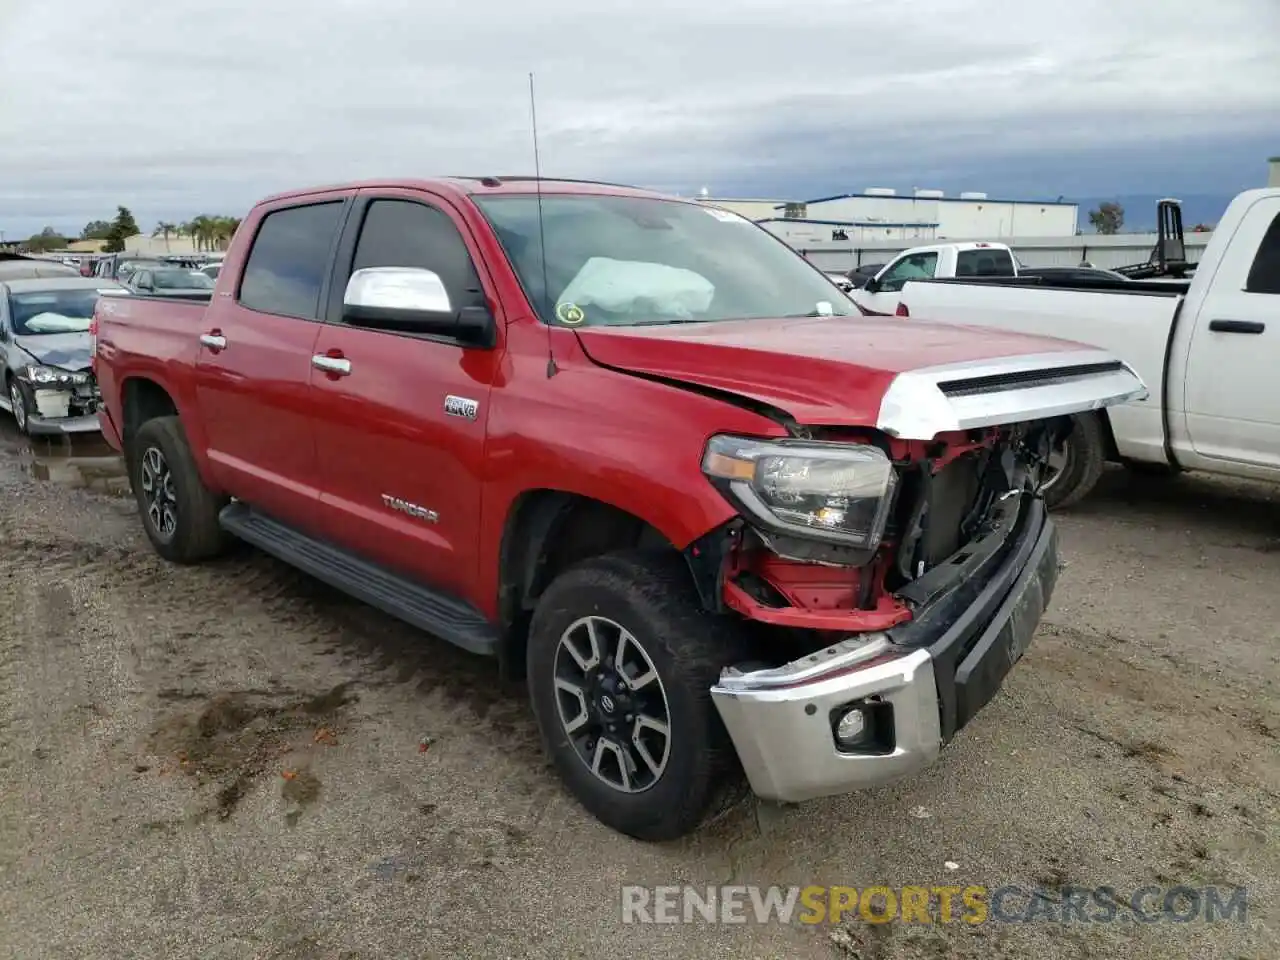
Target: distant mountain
1140, 209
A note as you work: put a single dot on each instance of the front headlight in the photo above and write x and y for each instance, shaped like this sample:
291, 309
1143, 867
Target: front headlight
53, 377
836, 492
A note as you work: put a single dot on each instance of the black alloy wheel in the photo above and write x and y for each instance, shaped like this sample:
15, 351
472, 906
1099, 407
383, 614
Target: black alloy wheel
612, 704
156, 480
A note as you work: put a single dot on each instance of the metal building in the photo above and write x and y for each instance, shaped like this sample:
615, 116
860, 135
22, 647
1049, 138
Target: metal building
880, 213
964, 215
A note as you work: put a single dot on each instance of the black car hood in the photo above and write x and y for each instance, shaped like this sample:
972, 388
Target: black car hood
66, 351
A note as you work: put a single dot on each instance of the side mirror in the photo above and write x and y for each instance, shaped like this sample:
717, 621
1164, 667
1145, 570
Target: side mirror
413, 300
872, 285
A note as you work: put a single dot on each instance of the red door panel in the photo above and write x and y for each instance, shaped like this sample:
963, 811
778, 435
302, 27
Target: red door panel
401, 477
253, 374
254, 403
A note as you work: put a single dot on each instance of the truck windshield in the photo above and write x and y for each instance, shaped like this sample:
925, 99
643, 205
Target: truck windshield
627, 261
52, 311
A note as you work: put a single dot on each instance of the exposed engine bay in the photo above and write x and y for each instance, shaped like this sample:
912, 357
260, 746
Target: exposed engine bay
946, 494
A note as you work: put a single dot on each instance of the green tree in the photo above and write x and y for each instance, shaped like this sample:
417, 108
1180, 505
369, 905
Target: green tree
96, 230
199, 230
124, 221
46, 240
210, 232
224, 228
1108, 218
122, 228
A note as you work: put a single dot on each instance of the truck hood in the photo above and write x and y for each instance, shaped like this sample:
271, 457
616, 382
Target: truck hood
66, 351
911, 379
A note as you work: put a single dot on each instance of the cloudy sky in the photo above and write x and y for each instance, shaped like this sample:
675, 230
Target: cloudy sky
177, 107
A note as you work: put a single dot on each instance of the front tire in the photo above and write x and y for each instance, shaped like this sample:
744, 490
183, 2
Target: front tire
20, 405
621, 659
1077, 465
179, 513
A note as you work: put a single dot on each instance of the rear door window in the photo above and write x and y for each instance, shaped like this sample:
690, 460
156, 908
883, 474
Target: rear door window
289, 260
984, 262
1264, 275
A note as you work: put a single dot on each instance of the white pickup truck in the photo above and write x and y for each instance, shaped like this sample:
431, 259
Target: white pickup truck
938, 261
1208, 350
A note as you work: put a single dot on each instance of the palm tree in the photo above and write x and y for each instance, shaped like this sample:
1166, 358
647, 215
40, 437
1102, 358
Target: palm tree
202, 232
224, 228
165, 230
210, 232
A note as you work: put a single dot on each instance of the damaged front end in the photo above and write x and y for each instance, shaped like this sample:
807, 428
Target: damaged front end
58, 401
897, 578
837, 526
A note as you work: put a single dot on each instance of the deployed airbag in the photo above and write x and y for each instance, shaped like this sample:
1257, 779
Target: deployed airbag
57, 323
628, 286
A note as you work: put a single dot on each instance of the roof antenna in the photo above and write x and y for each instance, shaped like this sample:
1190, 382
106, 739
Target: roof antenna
542, 236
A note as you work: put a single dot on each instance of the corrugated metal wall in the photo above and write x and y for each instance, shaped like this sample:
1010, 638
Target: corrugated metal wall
955, 218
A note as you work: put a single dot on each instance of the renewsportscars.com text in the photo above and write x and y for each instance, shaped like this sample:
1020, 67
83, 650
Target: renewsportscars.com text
973, 904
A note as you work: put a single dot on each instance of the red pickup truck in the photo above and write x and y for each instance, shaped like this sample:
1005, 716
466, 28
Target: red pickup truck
633, 447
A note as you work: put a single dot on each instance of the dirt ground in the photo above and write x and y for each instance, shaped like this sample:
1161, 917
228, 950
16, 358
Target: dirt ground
234, 762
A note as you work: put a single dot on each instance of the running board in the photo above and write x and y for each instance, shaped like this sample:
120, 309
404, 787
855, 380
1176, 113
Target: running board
421, 607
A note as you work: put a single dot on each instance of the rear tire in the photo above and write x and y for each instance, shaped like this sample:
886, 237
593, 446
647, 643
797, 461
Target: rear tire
179, 513
1085, 455
643, 604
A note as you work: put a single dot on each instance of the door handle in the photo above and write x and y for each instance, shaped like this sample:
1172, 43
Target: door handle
335, 365
214, 341
1237, 326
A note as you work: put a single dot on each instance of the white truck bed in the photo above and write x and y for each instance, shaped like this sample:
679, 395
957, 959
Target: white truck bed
1135, 327
1208, 349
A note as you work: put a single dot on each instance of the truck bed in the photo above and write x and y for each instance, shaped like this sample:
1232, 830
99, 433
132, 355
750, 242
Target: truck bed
1131, 319
1138, 288
162, 331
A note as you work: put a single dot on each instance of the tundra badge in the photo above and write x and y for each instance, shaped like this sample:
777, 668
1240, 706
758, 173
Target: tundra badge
461, 407
412, 509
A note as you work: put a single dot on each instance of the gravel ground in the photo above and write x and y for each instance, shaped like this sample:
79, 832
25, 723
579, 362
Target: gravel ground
234, 762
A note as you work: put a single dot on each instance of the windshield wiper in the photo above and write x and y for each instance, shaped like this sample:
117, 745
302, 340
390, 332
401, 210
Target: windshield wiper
665, 321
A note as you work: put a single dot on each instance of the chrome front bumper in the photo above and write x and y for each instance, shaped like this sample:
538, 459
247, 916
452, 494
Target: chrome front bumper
931, 676
784, 734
